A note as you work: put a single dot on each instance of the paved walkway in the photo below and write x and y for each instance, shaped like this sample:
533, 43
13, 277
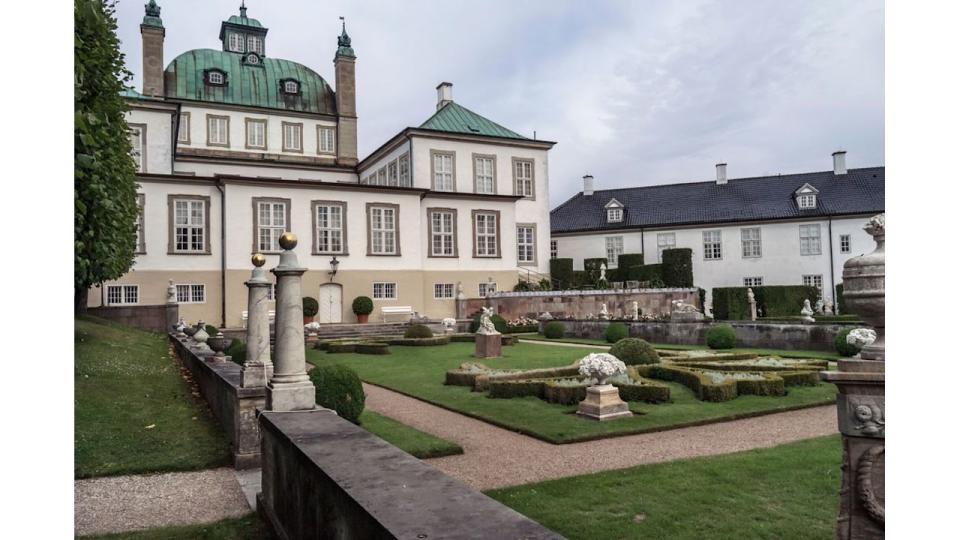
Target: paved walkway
127, 503
495, 457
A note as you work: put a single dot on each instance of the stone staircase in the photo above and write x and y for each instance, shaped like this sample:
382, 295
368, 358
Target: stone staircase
352, 330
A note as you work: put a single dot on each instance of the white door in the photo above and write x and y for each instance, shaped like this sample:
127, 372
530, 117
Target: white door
331, 303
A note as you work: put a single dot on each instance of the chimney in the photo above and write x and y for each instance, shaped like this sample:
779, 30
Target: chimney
152, 33
721, 174
344, 68
444, 94
588, 185
840, 162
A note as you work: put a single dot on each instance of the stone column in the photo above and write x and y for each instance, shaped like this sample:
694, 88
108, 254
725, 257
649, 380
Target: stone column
289, 388
257, 366
860, 401
172, 308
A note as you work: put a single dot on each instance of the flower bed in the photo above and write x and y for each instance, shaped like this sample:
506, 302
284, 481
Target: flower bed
570, 390
766, 363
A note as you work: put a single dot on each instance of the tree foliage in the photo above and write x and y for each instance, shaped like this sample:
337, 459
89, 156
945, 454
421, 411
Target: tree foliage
104, 181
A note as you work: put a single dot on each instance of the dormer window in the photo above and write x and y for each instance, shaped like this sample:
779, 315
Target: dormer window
216, 77
806, 197
291, 86
255, 44
235, 42
614, 211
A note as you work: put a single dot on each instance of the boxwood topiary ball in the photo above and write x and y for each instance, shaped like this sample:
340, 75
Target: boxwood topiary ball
721, 336
615, 332
633, 351
418, 331
339, 388
553, 330
843, 348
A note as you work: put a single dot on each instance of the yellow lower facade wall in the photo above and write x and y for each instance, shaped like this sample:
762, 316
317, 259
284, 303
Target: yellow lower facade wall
415, 288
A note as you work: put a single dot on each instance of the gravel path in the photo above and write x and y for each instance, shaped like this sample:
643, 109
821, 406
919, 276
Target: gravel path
127, 503
495, 457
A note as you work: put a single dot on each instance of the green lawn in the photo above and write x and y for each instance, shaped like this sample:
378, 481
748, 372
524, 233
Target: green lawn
788, 491
133, 411
419, 372
819, 355
410, 440
248, 527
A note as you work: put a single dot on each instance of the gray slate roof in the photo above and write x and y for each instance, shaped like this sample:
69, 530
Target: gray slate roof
741, 199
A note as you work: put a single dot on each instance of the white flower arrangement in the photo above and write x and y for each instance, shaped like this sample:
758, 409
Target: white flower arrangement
601, 366
522, 321
312, 327
861, 337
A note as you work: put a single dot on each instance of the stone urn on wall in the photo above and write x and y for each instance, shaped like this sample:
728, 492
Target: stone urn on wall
863, 287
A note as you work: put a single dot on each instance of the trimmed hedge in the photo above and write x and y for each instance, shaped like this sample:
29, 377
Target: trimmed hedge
625, 261
420, 342
510, 389
481, 381
523, 328
237, 351
698, 383
738, 365
770, 385
499, 323
799, 378
339, 388
591, 268
561, 271
467, 373
341, 347
677, 267
507, 340
372, 348
721, 336
310, 306
843, 348
646, 272
418, 331
840, 306
615, 332
553, 330
730, 303
633, 351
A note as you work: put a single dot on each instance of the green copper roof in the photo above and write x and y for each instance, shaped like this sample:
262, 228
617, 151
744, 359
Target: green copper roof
247, 85
243, 20
130, 93
457, 119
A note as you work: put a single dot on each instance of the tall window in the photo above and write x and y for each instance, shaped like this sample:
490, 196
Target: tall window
810, 239
553, 249
189, 226
191, 293
404, 164
711, 245
845, 243
271, 224
526, 244
329, 227
443, 176
384, 290
752, 281
814, 281
523, 177
218, 130
255, 44
443, 290
119, 295
383, 230
235, 42
750, 240
614, 250
327, 139
665, 241
256, 134
443, 233
382, 176
292, 137
141, 238
136, 145
485, 234
392, 173
483, 174
183, 129
487, 288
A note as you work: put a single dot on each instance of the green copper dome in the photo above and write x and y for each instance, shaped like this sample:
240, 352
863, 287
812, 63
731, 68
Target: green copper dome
246, 84
243, 20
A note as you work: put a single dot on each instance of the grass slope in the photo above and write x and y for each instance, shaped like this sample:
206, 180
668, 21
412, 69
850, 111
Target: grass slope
410, 440
788, 491
248, 527
419, 372
125, 381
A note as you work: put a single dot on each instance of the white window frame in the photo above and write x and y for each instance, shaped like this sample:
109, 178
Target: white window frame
235, 42
291, 87
383, 232
443, 291
486, 287
123, 292
392, 179
328, 230
137, 146
665, 241
194, 233
523, 177
751, 248
807, 201
292, 137
553, 249
485, 238
526, 244
614, 248
484, 174
846, 246
614, 215
387, 290
216, 77
262, 125
444, 178
141, 238
403, 164
382, 176
810, 243
813, 280
326, 140
257, 44
713, 245
754, 281
274, 229
191, 293
442, 234
218, 130
183, 129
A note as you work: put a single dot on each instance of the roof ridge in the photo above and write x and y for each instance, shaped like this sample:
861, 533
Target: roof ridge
453, 108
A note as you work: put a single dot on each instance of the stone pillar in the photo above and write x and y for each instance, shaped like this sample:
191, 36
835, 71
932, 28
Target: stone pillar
172, 308
257, 366
344, 65
152, 33
861, 410
289, 388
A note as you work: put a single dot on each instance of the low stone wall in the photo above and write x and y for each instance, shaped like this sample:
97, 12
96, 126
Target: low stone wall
814, 337
158, 318
234, 406
324, 477
579, 304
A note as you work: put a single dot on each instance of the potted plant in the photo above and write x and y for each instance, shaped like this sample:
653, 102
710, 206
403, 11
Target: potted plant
362, 307
310, 309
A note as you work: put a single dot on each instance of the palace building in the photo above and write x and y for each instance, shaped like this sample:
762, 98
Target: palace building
235, 146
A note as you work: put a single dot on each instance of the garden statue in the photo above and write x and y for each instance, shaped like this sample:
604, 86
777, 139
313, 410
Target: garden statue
486, 325
545, 316
449, 325
181, 324
603, 400
603, 312
635, 310
752, 300
818, 307
603, 271
487, 342
171, 293
460, 295
679, 306
806, 314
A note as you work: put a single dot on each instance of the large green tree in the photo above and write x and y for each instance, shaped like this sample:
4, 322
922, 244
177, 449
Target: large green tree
104, 181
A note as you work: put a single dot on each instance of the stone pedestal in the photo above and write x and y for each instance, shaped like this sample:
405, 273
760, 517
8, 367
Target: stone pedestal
686, 316
488, 345
603, 403
289, 388
257, 366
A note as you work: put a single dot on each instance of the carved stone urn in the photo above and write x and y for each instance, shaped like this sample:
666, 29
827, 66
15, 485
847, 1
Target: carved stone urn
218, 344
863, 287
190, 330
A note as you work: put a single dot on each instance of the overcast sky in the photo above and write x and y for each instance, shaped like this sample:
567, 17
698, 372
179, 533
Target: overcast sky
635, 93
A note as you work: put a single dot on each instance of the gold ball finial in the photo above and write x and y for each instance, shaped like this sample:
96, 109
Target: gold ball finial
258, 259
288, 240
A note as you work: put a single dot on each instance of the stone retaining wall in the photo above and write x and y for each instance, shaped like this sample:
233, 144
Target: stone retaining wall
324, 477
234, 406
579, 304
815, 337
159, 318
